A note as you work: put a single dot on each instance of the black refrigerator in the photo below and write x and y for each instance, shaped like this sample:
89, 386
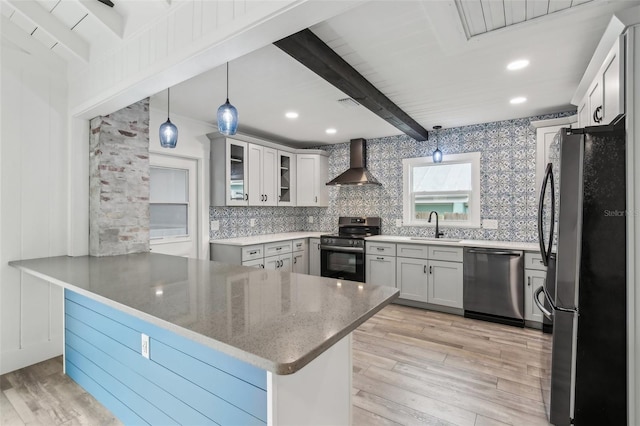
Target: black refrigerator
582, 223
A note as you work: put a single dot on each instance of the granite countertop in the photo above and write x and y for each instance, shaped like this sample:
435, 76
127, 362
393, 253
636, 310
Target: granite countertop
267, 238
277, 321
459, 243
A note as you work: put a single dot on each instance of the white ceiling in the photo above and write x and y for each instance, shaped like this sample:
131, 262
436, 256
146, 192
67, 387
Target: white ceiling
436, 79
438, 60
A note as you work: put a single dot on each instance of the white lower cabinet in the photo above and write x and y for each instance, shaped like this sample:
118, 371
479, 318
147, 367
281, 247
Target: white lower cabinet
314, 256
445, 283
412, 278
533, 279
300, 262
280, 262
380, 270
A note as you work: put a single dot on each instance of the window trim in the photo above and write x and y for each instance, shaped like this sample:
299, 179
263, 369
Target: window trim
172, 238
474, 206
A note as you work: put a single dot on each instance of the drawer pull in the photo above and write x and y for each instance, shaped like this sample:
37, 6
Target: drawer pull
430, 270
253, 252
380, 248
278, 248
380, 258
425, 269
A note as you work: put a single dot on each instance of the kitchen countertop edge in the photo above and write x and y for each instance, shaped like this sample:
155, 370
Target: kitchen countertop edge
267, 238
462, 243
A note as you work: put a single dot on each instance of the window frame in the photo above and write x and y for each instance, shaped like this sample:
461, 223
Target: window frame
173, 238
408, 198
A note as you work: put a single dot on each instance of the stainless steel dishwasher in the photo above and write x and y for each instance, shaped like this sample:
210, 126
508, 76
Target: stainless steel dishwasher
494, 285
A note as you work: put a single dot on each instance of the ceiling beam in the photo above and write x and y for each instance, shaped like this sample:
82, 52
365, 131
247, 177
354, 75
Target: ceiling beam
106, 15
309, 50
52, 26
23, 41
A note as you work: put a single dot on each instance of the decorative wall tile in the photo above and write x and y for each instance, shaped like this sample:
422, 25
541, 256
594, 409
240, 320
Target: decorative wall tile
507, 174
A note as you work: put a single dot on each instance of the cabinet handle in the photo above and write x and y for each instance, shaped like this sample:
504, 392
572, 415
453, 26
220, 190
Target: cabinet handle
430, 269
262, 265
279, 197
318, 247
597, 114
380, 258
246, 197
425, 269
529, 281
278, 248
295, 260
380, 248
266, 197
253, 252
316, 199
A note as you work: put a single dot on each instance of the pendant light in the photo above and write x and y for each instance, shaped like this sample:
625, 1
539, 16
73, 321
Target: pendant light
437, 154
227, 114
168, 130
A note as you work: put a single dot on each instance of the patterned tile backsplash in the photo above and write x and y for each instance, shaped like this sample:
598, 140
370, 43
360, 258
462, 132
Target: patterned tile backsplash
507, 174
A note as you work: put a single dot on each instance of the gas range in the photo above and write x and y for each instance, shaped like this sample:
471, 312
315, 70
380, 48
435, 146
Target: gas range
342, 254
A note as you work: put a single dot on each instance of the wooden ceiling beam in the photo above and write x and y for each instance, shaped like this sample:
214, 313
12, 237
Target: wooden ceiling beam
309, 50
108, 17
52, 26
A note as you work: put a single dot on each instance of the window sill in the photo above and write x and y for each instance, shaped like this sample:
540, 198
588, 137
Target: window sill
169, 240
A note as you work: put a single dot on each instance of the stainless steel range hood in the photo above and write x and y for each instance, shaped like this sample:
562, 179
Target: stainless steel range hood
357, 174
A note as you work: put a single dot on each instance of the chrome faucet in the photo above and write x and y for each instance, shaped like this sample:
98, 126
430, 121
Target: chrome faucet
438, 233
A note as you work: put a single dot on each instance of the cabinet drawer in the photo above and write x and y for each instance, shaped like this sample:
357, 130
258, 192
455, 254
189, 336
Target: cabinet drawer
300, 245
533, 260
257, 263
450, 254
386, 249
252, 252
280, 247
416, 251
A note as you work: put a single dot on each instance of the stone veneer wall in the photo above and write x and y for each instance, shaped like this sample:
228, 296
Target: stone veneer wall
119, 182
507, 174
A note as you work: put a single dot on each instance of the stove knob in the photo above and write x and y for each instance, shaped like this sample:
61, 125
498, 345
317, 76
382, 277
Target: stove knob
351, 242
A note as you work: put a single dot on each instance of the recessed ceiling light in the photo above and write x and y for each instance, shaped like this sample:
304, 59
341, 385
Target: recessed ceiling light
518, 65
331, 131
291, 114
518, 100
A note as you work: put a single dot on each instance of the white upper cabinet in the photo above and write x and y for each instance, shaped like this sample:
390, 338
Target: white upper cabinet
287, 178
312, 176
262, 179
250, 172
604, 99
229, 173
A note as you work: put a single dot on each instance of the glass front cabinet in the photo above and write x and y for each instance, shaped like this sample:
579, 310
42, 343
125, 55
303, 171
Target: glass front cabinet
286, 178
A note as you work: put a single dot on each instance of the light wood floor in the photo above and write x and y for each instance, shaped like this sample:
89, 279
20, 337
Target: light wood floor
410, 366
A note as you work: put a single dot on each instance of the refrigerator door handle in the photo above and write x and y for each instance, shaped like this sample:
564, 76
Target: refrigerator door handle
540, 306
548, 178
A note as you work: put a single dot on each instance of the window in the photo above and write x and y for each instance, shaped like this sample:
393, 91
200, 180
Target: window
451, 188
168, 202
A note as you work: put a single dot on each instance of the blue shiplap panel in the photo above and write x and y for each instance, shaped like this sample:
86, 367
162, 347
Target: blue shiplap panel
224, 362
121, 411
162, 399
209, 405
135, 402
241, 394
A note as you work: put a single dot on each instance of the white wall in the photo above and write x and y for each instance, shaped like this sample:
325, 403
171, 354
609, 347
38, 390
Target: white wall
33, 206
193, 144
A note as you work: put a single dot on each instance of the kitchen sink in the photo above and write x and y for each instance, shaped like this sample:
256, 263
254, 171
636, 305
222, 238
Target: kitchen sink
449, 240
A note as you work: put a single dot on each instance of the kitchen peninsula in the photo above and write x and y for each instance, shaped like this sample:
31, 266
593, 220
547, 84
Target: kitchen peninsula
170, 340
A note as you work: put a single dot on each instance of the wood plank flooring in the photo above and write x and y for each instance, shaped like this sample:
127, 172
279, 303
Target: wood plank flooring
410, 367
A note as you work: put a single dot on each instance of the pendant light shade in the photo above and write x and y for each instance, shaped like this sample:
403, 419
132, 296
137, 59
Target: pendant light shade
437, 154
227, 114
168, 130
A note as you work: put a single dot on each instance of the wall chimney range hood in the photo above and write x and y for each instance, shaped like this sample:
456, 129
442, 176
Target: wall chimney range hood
357, 174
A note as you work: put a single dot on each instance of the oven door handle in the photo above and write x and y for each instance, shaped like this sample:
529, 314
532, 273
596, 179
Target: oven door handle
342, 249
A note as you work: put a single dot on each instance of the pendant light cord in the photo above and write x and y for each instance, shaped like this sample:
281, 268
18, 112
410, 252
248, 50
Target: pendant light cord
168, 100
227, 82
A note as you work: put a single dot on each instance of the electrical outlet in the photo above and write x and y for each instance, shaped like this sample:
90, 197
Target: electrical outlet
310, 220
144, 345
398, 223
252, 222
215, 225
490, 224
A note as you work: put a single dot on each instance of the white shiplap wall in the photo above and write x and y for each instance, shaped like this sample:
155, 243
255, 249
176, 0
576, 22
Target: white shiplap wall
33, 206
